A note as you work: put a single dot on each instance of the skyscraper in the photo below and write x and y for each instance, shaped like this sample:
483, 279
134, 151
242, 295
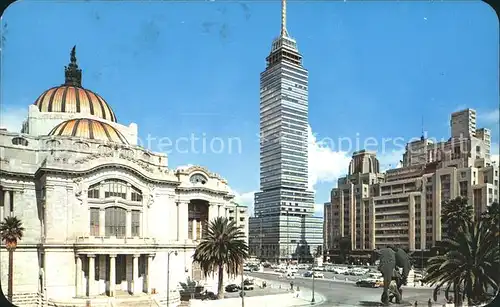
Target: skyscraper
284, 207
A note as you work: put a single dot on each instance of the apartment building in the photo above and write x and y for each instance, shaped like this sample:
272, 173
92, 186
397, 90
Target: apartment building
403, 206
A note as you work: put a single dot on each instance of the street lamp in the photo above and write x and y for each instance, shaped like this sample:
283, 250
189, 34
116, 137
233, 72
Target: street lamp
312, 299
168, 274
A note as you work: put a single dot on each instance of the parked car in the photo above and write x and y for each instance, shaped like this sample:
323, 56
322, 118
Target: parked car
208, 296
232, 288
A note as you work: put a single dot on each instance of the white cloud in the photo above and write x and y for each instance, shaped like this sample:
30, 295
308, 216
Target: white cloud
12, 118
325, 164
390, 159
245, 199
319, 209
490, 118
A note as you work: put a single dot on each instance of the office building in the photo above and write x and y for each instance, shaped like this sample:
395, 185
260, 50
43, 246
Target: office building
284, 207
403, 206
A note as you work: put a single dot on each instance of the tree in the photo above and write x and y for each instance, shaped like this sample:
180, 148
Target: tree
492, 217
11, 231
222, 247
469, 266
455, 213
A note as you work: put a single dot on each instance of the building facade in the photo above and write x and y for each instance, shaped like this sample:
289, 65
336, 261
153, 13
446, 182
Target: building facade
284, 207
403, 206
104, 218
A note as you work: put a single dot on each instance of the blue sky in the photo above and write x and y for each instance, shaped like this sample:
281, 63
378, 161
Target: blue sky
182, 69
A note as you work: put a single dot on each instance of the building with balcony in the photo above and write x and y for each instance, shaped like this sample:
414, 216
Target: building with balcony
102, 215
403, 206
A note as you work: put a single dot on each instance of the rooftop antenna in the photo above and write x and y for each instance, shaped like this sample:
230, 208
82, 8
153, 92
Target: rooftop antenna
422, 137
284, 32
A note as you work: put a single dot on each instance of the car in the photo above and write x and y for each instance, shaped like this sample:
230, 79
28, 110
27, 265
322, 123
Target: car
368, 283
232, 288
318, 275
248, 284
357, 273
308, 274
339, 270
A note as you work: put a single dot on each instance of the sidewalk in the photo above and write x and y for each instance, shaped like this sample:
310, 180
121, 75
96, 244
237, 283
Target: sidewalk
302, 298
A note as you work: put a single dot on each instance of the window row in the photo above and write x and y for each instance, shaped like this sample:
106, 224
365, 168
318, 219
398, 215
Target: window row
114, 188
115, 222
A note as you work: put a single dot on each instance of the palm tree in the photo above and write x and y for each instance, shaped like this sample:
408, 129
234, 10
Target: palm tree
11, 231
492, 217
470, 265
223, 247
455, 213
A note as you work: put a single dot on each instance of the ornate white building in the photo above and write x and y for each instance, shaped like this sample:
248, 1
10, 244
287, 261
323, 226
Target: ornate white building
101, 214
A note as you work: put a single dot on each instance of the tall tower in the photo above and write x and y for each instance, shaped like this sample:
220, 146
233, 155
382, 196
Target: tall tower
285, 206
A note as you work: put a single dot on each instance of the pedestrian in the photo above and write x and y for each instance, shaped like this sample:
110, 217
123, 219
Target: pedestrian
429, 303
291, 285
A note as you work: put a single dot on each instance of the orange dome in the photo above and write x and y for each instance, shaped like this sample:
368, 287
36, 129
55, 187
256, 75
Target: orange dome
74, 99
89, 129
71, 97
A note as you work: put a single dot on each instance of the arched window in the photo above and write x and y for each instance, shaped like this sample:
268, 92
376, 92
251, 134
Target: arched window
136, 194
115, 221
20, 141
93, 191
115, 188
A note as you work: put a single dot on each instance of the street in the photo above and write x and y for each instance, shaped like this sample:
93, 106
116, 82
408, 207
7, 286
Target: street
339, 293
256, 292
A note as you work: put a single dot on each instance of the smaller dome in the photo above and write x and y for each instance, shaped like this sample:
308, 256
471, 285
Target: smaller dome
89, 129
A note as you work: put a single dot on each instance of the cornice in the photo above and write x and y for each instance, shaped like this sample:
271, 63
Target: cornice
114, 166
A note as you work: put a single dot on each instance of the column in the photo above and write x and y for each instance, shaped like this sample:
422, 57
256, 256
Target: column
128, 224
6, 203
135, 273
91, 274
411, 223
183, 220
149, 264
141, 224
145, 221
211, 211
178, 224
194, 230
112, 274
78, 282
102, 222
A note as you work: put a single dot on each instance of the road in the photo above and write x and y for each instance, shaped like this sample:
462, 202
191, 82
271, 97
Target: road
256, 292
338, 293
